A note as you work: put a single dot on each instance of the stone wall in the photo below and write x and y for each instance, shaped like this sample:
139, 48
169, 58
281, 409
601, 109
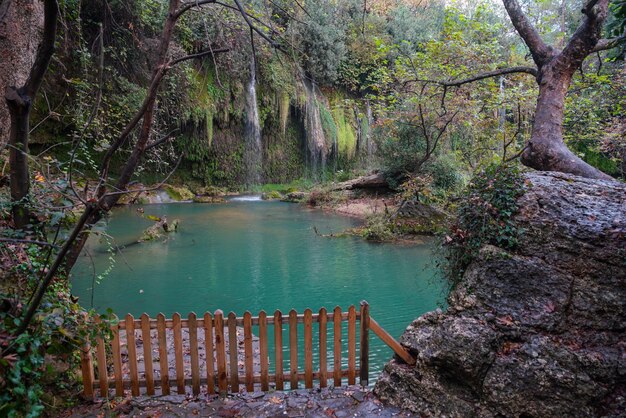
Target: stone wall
540, 332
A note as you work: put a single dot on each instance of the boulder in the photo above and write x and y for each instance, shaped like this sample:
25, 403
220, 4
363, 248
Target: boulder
535, 332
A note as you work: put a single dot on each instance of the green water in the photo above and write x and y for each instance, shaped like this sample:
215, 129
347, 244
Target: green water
256, 255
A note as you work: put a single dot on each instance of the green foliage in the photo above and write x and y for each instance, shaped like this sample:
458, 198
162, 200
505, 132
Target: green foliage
401, 148
484, 216
346, 136
445, 172
324, 42
58, 330
377, 228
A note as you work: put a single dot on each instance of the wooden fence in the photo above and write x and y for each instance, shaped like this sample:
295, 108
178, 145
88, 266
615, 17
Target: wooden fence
207, 352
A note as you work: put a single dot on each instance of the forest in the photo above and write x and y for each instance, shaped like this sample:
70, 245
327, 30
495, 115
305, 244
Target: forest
429, 123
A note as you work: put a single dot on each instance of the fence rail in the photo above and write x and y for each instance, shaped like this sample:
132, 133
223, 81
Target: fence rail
222, 354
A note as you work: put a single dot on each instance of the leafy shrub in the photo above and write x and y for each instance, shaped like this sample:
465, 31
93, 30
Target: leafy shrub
28, 379
445, 173
484, 216
377, 228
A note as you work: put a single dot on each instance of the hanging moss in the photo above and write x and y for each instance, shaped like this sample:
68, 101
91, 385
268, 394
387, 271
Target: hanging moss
209, 127
283, 111
328, 123
346, 135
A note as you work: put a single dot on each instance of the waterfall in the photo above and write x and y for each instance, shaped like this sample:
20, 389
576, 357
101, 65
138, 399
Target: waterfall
253, 157
316, 148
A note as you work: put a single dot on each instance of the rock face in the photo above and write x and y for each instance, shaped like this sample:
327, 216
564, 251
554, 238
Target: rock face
540, 332
20, 25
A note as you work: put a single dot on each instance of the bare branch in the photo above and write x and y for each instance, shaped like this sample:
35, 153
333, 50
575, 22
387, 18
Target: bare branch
198, 55
166, 138
45, 50
190, 4
540, 51
605, 44
482, 76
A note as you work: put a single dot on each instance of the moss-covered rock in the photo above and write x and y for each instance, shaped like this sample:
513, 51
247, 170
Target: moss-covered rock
158, 230
272, 195
208, 199
295, 197
179, 193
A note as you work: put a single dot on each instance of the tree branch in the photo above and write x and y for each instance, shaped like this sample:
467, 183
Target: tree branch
188, 5
45, 49
166, 138
198, 55
540, 51
254, 28
585, 39
604, 44
478, 77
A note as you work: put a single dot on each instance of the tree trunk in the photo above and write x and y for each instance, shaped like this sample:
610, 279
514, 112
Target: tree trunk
19, 109
21, 22
546, 150
20, 102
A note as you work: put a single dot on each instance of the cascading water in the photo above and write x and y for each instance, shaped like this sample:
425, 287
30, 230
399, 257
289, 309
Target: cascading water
317, 150
253, 158
368, 135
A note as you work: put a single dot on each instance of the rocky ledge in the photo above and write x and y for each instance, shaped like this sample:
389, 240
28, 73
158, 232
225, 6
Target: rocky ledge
539, 332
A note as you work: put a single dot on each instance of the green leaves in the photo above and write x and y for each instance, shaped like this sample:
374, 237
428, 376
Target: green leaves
484, 216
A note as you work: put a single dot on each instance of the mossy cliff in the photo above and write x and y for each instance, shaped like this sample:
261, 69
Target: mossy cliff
537, 331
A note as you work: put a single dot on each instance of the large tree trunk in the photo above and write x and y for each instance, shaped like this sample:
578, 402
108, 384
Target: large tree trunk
20, 32
19, 109
546, 150
20, 102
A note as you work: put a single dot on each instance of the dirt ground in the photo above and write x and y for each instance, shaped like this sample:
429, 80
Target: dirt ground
350, 401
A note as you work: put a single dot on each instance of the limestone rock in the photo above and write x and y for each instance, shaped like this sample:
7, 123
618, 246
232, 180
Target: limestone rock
538, 332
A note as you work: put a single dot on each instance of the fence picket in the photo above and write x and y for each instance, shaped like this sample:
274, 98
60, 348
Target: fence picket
233, 352
208, 351
337, 346
132, 355
87, 370
164, 370
146, 338
323, 353
178, 354
278, 348
308, 349
293, 349
351, 345
193, 353
364, 345
247, 341
220, 350
263, 351
101, 356
117, 361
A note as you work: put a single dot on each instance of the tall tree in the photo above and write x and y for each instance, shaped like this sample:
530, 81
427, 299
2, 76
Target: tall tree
554, 70
20, 101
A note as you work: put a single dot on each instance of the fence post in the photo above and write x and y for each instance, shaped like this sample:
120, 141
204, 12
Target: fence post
364, 360
278, 348
220, 351
103, 376
233, 352
87, 369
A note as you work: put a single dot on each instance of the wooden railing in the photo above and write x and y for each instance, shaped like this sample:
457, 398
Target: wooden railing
198, 352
